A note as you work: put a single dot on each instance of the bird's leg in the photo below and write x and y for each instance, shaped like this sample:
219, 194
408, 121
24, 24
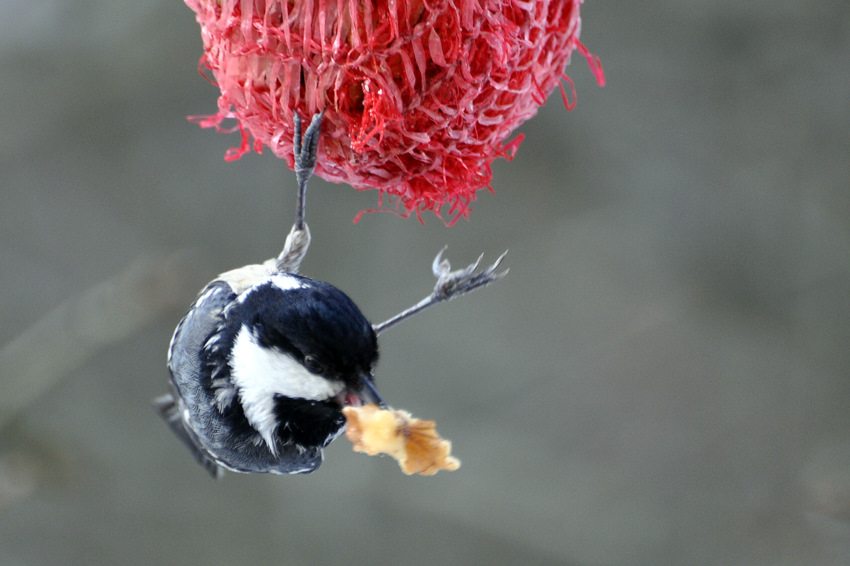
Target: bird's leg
450, 284
306, 151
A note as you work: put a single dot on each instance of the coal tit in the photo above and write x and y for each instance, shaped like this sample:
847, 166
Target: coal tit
261, 367
265, 359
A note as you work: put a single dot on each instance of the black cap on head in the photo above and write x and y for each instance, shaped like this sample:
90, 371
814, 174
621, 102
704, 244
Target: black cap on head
316, 323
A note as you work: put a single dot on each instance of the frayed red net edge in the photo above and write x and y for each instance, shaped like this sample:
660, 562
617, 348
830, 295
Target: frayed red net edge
594, 62
458, 203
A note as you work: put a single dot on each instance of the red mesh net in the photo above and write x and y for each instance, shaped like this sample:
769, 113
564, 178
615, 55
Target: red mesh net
420, 96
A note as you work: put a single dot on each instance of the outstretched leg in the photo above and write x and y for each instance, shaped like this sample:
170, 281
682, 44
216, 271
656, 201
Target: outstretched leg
306, 151
450, 284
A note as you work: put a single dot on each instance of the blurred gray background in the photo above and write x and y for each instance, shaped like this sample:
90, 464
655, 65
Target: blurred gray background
662, 378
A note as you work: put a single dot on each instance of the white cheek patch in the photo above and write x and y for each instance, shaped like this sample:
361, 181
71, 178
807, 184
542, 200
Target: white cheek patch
260, 373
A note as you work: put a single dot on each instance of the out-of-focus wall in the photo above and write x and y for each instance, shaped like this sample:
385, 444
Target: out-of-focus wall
661, 379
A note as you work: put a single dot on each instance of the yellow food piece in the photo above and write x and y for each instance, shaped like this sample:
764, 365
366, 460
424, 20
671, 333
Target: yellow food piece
413, 442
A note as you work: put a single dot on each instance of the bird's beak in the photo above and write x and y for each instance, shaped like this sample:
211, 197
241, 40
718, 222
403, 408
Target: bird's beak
369, 393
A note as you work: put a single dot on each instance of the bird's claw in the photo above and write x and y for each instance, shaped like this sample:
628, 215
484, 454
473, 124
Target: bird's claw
305, 149
452, 284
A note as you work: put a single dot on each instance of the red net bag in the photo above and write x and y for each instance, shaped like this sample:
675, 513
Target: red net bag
419, 96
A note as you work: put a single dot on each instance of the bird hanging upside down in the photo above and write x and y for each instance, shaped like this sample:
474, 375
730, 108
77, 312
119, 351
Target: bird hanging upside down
266, 359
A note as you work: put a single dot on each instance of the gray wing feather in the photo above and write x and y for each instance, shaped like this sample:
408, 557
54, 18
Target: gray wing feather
184, 365
194, 330
170, 412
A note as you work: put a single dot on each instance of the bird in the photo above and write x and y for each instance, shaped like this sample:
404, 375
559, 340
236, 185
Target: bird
265, 359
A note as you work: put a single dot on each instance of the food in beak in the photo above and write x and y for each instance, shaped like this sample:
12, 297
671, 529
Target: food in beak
413, 442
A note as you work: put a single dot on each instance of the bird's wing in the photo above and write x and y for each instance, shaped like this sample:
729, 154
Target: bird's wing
169, 409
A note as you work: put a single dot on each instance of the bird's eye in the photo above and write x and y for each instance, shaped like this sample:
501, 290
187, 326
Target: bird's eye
313, 364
